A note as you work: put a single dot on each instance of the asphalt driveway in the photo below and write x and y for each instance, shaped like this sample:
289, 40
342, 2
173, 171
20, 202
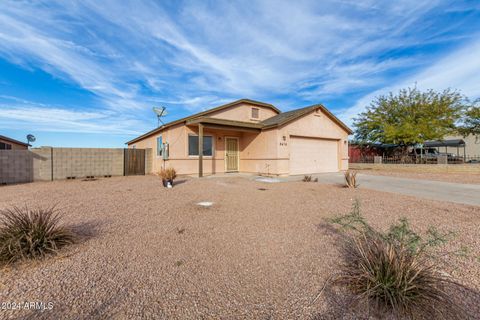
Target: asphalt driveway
428, 189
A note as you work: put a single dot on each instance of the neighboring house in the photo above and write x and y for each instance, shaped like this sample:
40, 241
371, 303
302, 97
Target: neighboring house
7, 143
472, 146
250, 136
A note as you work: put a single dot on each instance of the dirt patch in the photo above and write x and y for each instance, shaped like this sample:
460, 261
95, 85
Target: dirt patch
155, 254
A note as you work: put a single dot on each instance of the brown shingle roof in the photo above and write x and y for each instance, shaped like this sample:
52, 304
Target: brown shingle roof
288, 116
284, 117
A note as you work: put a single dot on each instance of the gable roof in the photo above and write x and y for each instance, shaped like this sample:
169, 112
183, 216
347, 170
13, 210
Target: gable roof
278, 120
203, 113
14, 141
285, 117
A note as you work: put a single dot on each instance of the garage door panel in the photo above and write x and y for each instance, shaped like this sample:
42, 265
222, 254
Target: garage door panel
313, 155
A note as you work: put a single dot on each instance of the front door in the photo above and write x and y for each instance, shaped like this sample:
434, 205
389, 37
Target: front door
231, 154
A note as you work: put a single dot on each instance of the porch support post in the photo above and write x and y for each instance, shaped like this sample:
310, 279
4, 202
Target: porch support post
200, 150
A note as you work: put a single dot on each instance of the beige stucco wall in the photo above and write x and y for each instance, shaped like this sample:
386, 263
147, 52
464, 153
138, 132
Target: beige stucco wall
177, 139
243, 112
259, 153
265, 152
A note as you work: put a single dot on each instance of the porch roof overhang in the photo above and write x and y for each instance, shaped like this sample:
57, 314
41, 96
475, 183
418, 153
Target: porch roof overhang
223, 124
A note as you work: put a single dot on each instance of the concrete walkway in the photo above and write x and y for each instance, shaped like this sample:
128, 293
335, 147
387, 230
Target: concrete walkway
435, 190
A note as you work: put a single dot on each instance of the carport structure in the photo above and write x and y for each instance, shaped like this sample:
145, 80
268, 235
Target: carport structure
452, 143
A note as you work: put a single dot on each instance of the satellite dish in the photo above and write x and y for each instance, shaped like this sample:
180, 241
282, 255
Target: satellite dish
160, 112
31, 138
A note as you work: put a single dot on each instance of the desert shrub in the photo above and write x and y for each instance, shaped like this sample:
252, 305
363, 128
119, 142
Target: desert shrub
31, 233
390, 272
351, 179
168, 174
400, 233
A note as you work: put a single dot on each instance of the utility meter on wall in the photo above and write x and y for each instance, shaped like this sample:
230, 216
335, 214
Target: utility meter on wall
165, 148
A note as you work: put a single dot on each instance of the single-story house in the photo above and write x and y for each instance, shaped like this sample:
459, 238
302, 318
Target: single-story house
7, 143
252, 137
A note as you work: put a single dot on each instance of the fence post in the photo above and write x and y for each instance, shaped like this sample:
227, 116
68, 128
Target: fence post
442, 159
51, 162
125, 154
377, 159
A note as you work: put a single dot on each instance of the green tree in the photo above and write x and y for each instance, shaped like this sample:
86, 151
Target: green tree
471, 121
410, 117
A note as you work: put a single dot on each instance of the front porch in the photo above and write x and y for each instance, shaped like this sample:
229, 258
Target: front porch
220, 139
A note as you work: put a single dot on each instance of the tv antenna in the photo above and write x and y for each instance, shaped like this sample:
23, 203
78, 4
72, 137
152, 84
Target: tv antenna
160, 112
31, 138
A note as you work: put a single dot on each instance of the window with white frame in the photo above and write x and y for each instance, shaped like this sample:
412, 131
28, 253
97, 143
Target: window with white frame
193, 145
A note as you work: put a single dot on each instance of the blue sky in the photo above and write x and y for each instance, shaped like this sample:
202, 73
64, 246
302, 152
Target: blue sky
87, 73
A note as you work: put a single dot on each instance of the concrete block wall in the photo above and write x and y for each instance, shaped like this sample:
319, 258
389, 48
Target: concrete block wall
16, 166
42, 164
20, 166
83, 162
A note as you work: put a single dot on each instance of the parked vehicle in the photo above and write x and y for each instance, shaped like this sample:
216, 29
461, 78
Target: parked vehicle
430, 155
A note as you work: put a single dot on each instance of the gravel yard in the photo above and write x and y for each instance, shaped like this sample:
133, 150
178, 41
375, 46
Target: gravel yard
260, 251
469, 178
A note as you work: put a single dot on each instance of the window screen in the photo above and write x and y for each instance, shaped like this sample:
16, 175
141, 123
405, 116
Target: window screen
159, 146
193, 145
5, 146
255, 113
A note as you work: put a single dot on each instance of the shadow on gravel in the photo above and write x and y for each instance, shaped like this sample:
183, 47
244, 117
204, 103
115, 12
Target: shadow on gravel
86, 230
177, 182
330, 230
339, 304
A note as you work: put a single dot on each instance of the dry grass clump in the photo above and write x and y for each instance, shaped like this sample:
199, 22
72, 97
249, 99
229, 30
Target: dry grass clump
390, 272
351, 179
168, 174
309, 179
31, 233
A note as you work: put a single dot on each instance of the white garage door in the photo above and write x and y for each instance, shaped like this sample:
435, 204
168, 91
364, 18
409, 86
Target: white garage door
313, 155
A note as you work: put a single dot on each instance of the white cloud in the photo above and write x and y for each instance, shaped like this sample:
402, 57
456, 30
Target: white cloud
61, 120
133, 55
21, 113
459, 70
